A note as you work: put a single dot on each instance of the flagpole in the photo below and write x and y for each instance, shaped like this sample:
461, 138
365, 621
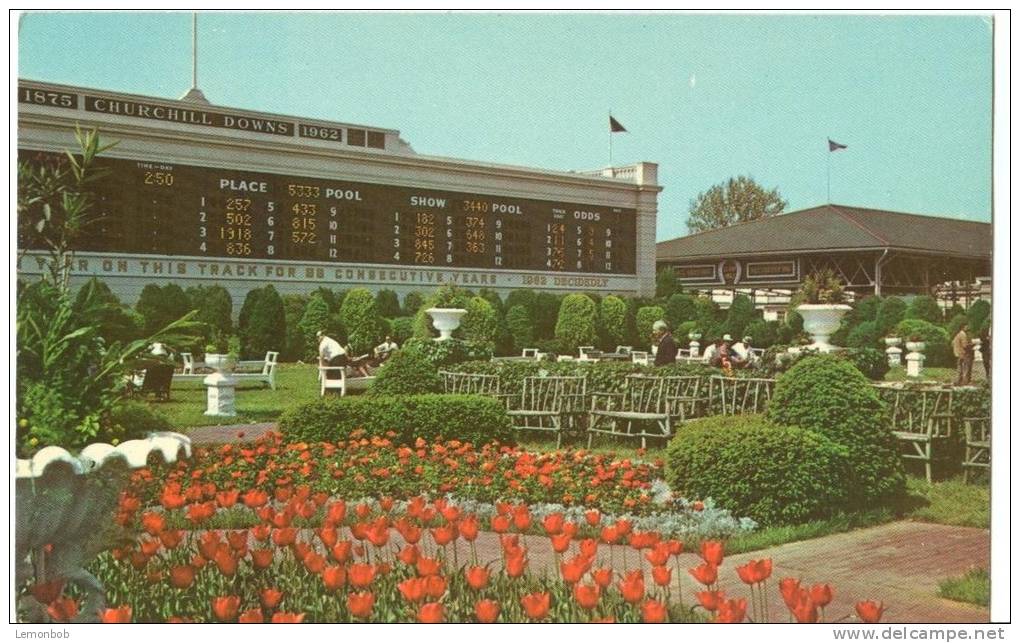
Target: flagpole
828, 178
610, 138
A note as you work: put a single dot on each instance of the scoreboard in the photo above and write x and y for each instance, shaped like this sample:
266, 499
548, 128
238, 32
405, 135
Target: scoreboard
155, 207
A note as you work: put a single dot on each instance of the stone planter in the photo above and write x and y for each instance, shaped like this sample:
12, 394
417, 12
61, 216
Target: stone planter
821, 321
64, 506
892, 341
915, 347
915, 358
446, 320
222, 363
220, 386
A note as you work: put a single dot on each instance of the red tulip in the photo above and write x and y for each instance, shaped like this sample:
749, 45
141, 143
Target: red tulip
362, 511
120, 614
587, 596
333, 578
560, 543
623, 526
712, 552
661, 575
589, 548
63, 609
284, 617
225, 608
270, 597
335, 513
710, 600
658, 554
593, 517
225, 561
653, 612
428, 566
516, 563
755, 571
408, 555
574, 569
261, 558
676, 547
430, 613
632, 587
468, 528
153, 523
477, 577
731, 611
255, 498
500, 524
705, 573
341, 551
870, 611
487, 611
182, 576
609, 535
789, 588
444, 535
522, 519
238, 540
361, 574
260, 532
328, 536
171, 538
805, 611
285, 536
553, 524
227, 499
435, 586
536, 606
821, 594
360, 605
254, 615
412, 589
378, 534
603, 577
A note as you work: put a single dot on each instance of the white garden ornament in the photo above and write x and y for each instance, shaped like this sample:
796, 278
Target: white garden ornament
220, 386
821, 321
446, 320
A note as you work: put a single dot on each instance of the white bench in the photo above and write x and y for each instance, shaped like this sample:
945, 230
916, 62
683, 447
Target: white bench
267, 374
342, 383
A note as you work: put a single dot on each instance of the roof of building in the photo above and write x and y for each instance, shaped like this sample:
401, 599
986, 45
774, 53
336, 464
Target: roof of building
836, 227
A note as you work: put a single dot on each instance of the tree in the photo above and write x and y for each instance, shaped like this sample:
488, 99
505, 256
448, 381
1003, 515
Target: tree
666, 284
646, 318
361, 319
924, 307
314, 319
161, 306
576, 323
387, 303
264, 328
96, 305
214, 308
740, 314
614, 321
480, 323
734, 201
293, 310
518, 321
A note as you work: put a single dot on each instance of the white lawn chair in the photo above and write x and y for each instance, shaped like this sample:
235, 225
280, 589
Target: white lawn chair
332, 384
639, 357
530, 352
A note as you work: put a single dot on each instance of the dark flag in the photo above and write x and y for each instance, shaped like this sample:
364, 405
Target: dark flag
833, 146
614, 125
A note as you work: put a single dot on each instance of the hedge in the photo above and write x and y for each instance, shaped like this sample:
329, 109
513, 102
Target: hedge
827, 394
518, 322
646, 318
773, 474
433, 417
937, 349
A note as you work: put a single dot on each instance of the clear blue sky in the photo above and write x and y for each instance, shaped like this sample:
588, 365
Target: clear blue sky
707, 97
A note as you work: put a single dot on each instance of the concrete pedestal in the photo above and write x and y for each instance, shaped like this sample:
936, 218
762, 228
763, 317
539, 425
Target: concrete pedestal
895, 356
220, 395
695, 347
915, 362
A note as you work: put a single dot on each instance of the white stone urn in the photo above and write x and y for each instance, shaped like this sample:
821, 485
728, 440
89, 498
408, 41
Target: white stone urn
915, 358
222, 363
821, 321
446, 320
892, 341
64, 506
220, 386
915, 347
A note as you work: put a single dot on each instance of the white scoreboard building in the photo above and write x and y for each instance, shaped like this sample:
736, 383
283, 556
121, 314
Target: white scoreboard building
199, 194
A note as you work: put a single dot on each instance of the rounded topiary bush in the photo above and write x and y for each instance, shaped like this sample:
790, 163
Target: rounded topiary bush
773, 474
937, 349
829, 395
576, 324
406, 372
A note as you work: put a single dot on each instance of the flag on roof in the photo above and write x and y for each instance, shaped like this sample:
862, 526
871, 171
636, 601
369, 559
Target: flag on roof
833, 146
615, 126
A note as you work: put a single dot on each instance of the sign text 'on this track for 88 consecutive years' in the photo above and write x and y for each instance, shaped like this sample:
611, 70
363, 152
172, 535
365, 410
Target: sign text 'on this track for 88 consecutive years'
173, 209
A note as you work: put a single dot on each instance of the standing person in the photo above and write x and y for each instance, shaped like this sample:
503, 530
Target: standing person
666, 354
331, 353
963, 349
986, 349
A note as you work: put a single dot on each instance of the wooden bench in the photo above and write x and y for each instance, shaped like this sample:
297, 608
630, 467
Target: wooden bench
919, 418
978, 444
547, 404
739, 395
470, 383
646, 401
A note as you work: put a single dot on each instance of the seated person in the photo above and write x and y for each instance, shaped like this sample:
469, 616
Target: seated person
726, 352
711, 354
384, 350
743, 357
331, 353
357, 364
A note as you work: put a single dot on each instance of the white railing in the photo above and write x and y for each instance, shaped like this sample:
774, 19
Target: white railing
625, 173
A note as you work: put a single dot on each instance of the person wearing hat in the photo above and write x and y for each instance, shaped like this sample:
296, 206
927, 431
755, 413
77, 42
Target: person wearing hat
742, 355
667, 351
725, 354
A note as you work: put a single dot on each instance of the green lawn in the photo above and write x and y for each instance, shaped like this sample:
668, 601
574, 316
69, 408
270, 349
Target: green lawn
295, 384
973, 587
943, 375
949, 502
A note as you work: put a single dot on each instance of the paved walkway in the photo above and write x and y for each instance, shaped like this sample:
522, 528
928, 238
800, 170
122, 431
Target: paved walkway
899, 563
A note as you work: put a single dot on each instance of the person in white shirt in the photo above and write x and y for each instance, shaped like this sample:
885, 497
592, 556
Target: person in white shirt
743, 356
331, 353
384, 350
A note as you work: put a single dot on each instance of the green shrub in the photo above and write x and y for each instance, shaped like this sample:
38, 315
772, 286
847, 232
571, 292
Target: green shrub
865, 310
646, 318
741, 313
412, 303
864, 335
576, 324
924, 307
406, 372
401, 329
96, 305
890, 313
828, 395
480, 323
361, 320
708, 313
215, 309
763, 333
159, 306
314, 319
130, 420
470, 418
545, 314
387, 304
937, 349
773, 474
518, 322
957, 322
522, 297
263, 323
666, 283
871, 362
293, 347
980, 311
680, 334
613, 318
680, 308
